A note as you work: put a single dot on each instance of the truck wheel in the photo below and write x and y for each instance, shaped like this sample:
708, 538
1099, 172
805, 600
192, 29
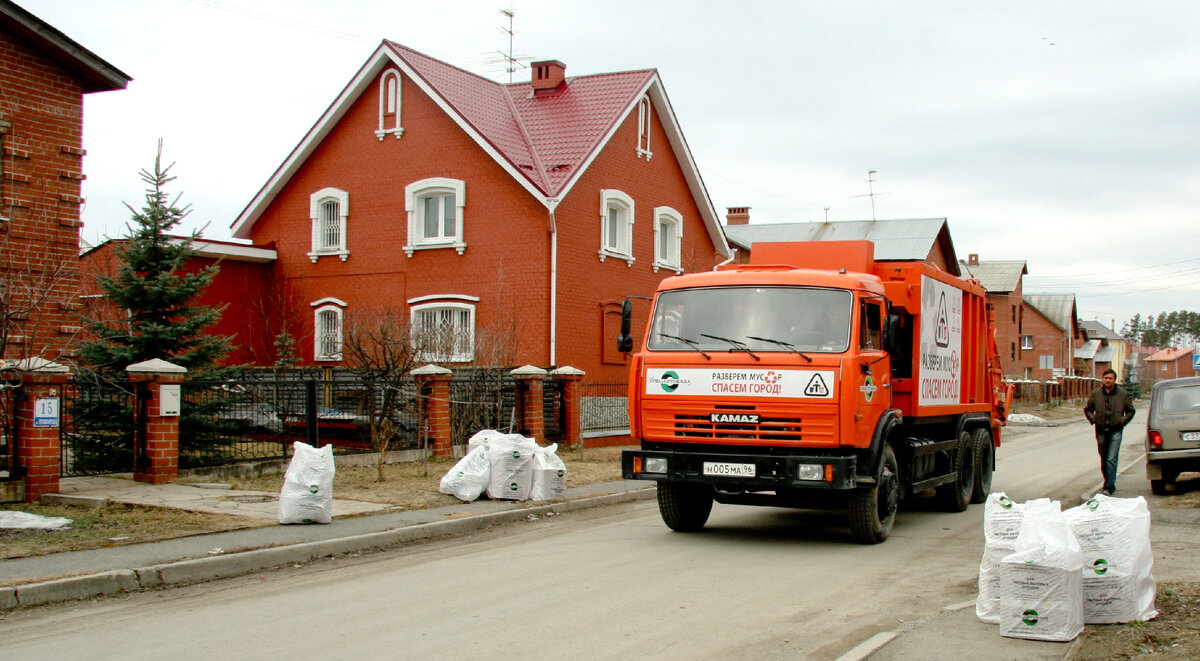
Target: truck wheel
873, 510
982, 439
956, 495
684, 507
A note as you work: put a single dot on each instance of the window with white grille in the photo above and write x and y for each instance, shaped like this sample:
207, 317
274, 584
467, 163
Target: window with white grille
329, 209
435, 214
328, 314
444, 332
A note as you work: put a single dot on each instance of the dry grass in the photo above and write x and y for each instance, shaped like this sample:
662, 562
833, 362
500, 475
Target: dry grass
112, 525
1172, 636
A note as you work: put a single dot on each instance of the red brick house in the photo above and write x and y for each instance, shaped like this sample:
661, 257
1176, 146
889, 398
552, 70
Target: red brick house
489, 214
1004, 282
44, 76
1049, 330
1170, 363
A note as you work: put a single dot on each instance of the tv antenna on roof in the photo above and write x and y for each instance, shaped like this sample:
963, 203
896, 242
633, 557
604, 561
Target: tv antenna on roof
511, 61
871, 191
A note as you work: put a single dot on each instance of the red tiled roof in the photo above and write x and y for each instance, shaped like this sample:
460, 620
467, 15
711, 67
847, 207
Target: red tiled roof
1171, 354
548, 138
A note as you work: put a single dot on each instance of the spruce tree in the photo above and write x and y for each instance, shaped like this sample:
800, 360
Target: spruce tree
152, 285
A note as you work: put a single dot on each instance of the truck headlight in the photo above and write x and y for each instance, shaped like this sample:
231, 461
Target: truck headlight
813, 472
656, 464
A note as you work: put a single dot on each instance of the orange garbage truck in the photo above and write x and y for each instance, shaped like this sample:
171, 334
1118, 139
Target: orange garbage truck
815, 376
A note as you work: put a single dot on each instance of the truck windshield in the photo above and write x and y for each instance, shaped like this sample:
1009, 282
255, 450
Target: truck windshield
764, 319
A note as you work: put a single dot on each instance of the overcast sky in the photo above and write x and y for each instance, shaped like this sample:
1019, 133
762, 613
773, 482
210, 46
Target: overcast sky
1066, 134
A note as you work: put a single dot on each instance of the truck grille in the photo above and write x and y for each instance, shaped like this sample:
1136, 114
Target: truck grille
811, 426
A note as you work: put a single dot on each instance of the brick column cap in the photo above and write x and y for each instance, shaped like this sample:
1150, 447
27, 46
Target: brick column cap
430, 370
155, 366
36, 364
528, 372
567, 370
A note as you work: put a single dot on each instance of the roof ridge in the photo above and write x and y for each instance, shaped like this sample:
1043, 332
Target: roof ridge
536, 156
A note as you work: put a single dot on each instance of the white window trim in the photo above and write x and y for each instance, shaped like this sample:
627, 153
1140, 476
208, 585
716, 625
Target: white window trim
415, 192
324, 305
441, 304
668, 215
398, 129
314, 211
644, 125
1022, 346
609, 196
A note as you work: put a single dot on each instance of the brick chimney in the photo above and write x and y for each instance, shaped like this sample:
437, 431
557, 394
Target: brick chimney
737, 216
548, 75
973, 259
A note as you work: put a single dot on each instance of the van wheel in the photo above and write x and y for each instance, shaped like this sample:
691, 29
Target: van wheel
873, 510
984, 464
1158, 487
684, 507
956, 495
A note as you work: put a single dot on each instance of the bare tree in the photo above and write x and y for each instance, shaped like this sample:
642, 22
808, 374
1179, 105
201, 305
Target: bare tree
380, 348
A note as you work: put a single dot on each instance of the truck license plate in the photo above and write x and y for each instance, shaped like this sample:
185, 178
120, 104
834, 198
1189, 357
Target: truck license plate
1191, 435
725, 469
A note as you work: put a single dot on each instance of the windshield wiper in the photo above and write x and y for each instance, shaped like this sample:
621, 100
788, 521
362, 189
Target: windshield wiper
780, 343
740, 346
686, 341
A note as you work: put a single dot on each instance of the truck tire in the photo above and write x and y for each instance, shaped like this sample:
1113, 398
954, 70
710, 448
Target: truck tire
956, 495
873, 510
984, 464
684, 507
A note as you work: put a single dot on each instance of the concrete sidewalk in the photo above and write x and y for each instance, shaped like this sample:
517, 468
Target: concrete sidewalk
79, 574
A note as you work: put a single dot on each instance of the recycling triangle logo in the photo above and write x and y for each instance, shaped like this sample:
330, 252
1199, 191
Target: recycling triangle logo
816, 387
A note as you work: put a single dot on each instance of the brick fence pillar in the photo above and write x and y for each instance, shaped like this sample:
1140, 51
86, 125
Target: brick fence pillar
159, 447
38, 424
530, 382
433, 383
572, 400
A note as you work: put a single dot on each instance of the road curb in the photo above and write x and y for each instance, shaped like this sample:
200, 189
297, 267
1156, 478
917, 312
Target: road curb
244, 562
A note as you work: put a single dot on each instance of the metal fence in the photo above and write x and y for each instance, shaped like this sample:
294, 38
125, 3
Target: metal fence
8, 448
97, 428
604, 407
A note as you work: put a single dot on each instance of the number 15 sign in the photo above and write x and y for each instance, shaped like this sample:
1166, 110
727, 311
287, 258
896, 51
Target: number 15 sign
45, 412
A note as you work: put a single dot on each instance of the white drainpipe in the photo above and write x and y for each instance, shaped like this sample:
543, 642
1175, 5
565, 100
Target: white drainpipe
553, 202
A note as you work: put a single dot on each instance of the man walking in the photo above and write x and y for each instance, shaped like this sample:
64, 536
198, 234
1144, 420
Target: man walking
1109, 408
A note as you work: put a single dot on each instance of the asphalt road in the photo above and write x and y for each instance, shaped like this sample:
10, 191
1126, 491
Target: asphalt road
610, 583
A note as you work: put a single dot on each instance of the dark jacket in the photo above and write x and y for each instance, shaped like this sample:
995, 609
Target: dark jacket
1109, 411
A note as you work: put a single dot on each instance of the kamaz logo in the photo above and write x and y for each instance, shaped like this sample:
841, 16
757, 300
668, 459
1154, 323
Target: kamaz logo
745, 418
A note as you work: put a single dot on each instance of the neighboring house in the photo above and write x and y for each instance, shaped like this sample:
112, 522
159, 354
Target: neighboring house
1049, 329
242, 269
509, 221
1004, 281
1101, 350
1170, 363
925, 239
43, 78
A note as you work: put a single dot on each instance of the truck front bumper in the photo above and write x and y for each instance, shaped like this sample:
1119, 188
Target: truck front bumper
741, 472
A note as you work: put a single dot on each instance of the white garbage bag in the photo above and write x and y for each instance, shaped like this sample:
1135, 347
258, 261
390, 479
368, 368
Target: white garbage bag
307, 493
482, 437
1041, 583
470, 475
549, 475
1114, 535
1002, 518
511, 457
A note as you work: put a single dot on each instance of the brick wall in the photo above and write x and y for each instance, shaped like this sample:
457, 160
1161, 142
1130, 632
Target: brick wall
1048, 339
506, 229
1008, 312
41, 112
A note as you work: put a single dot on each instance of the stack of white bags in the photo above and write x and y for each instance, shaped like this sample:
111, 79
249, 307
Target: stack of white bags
1045, 573
507, 467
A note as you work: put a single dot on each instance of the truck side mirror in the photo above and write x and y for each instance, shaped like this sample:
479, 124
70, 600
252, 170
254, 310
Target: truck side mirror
891, 334
625, 341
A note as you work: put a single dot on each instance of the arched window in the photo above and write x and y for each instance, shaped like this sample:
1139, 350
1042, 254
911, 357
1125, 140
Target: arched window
616, 225
327, 329
329, 209
435, 214
389, 105
668, 239
643, 147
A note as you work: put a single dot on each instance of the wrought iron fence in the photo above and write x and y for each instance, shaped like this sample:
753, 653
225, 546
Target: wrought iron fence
8, 448
604, 407
96, 433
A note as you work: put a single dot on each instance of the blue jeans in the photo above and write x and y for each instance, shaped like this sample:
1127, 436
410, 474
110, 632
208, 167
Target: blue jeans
1109, 445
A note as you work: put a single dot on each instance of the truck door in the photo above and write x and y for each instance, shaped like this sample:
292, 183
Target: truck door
872, 388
